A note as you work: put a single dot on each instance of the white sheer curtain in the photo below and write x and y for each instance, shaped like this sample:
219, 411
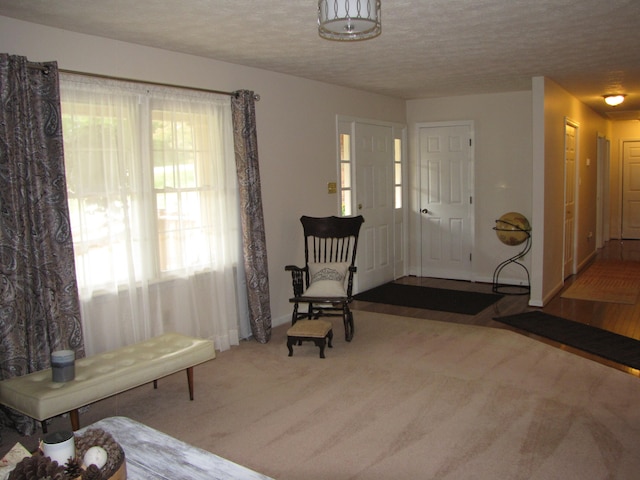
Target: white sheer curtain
154, 212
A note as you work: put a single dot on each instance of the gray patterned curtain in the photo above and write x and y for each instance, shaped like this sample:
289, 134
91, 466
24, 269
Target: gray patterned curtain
39, 307
253, 235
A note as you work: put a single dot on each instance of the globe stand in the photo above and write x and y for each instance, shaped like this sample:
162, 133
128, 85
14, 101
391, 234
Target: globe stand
506, 289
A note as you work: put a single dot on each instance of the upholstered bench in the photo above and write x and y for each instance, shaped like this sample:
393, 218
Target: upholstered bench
103, 375
317, 331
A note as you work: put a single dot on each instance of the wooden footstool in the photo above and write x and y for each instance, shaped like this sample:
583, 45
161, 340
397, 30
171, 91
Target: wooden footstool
317, 331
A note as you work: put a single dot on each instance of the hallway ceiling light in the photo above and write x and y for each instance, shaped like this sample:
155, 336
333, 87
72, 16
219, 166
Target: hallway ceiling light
349, 19
614, 100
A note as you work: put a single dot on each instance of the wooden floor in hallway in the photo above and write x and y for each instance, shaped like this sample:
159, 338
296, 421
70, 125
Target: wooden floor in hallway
619, 318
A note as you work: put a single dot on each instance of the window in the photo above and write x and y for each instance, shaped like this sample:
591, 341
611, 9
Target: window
138, 164
185, 195
397, 172
153, 198
346, 187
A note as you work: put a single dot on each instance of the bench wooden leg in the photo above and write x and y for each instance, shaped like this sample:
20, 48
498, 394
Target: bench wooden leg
189, 371
75, 419
190, 382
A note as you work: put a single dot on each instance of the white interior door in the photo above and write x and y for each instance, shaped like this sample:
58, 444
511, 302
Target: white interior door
569, 197
373, 151
602, 201
631, 190
446, 200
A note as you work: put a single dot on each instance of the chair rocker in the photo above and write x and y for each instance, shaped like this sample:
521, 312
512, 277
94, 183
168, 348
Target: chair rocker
325, 283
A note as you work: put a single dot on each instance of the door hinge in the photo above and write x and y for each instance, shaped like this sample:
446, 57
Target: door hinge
470, 142
470, 200
470, 256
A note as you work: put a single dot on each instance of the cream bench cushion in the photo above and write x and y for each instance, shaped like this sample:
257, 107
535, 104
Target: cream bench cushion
103, 375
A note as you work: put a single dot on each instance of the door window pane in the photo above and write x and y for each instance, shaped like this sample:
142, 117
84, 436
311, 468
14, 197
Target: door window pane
397, 176
346, 185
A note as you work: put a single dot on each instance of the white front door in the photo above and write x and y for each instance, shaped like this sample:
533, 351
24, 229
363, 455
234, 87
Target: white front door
569, 197
373, 149
631, 190
446, 199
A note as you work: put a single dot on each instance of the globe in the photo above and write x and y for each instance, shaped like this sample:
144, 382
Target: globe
512, 228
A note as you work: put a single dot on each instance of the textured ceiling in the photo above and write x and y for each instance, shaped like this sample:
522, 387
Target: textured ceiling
428, 48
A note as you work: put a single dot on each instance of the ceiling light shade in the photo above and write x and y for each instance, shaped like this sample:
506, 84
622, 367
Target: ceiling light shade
614, 100
349, 19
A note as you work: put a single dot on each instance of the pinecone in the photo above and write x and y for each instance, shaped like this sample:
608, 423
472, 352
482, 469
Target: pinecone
92, 473
73, 468
37, 467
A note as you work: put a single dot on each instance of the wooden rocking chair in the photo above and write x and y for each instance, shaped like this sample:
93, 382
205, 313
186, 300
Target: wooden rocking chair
325, 283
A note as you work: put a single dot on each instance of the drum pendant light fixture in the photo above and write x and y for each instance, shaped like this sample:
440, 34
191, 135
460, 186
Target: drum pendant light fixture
349, 19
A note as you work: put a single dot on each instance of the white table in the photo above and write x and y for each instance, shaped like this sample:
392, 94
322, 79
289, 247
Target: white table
151, 455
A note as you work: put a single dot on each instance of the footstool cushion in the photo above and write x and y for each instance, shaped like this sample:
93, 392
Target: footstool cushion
318, 331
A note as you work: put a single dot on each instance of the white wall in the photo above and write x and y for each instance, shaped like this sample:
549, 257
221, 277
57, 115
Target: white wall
296, 124
503, 167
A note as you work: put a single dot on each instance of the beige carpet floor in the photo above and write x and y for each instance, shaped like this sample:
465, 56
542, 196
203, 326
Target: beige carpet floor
607, 281
407, 399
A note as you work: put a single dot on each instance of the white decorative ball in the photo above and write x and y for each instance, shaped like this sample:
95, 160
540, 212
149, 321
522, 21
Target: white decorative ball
95, 456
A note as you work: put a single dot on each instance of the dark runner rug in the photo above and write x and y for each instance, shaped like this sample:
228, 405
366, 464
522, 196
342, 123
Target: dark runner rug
605, 344
429, 298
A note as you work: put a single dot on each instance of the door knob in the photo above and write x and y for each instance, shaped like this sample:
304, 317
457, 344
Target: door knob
424, 210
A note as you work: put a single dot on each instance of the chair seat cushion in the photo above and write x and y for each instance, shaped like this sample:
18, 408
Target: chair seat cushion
310, 328
325, 289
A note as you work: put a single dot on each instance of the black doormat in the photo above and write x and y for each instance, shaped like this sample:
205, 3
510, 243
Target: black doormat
605, 344
444, 300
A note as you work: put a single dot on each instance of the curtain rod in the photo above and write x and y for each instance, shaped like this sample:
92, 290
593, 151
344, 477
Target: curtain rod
45, 69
